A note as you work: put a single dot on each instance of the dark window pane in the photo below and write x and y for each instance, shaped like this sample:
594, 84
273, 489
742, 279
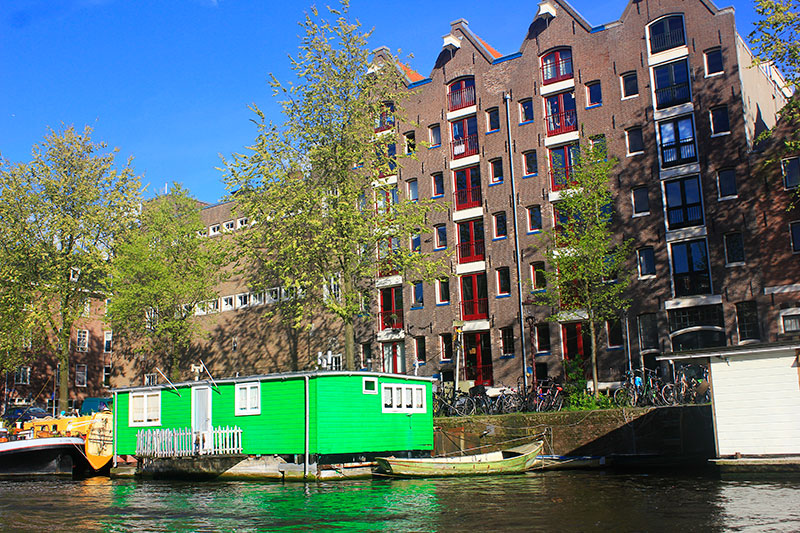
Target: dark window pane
595, 94
734, 248
543, 337
635, 140
719, 120
648, 332
714, 61
526, 110
534, 218
791, 172
747, 320
727, 183
647, 262
493, 117
641, 201
630, 85
531, 165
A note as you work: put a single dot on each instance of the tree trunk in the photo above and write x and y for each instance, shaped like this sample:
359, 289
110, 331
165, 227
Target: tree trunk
593, 333
63, 379
349, 345
174, 369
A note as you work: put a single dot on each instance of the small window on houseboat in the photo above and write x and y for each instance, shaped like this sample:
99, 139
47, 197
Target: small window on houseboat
398, 397
408, 393
387, 397
418, 403
370, 386
248, 399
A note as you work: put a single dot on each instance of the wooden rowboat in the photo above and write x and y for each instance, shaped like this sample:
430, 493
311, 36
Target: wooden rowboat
511, 461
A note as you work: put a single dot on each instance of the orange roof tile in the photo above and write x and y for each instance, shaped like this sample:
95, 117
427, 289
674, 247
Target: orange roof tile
413, 75
495, 54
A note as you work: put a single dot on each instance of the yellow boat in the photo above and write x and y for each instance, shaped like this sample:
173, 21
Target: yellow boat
95, 429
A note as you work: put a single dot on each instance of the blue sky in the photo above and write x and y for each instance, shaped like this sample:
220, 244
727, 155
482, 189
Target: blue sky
169, 81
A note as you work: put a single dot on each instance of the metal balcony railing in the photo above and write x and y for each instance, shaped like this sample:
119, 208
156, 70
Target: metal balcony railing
666, 41
471, 251
475, 309
553, 71
563, 122
469, 197
461, 98
391, 319
465, 146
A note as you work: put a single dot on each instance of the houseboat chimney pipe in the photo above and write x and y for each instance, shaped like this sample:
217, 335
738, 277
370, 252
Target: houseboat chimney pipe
506, 99
305, 458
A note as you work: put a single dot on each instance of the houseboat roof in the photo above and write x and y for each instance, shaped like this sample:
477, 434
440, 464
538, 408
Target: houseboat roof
274, 377
759, 348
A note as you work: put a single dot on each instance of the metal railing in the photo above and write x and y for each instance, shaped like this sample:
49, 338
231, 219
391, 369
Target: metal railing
684, 216
672, 95
666, 40
469, 197
461, 98
563, 122
678, 152
553, 71
182, 442
470, 251
475, 309
465, 146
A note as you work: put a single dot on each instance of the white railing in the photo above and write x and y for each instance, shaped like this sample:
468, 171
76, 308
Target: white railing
184, 442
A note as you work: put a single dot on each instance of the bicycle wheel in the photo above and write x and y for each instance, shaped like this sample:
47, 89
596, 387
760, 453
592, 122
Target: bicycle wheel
668, 394
464, 406
624, 397
558, 403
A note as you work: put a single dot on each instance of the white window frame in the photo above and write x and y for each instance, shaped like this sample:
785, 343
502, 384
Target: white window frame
534, 288
528, 216
108, 341
407, 146
431, 140
439, 244
416, 350
497, 280
248, 409
415, 182
489, 122
148, 397
82, 346
639, 262
399, 395
711, 121
622, 85
108, 371
214, 230
150, 379
442, 351
373, 381
522, 119
22, 375
705, 62
439, 300
87, 308
81, 370
495, 235
241, 222
228, 303
628, 142
633, 202
492, 177
719, 189
587, 87
74, 274
792, 311
243, 300
229, 225
212, 306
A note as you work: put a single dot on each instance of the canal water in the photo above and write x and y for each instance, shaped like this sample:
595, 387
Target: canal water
554, 501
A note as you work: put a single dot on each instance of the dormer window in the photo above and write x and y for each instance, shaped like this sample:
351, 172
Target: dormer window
461, 94
557, 66
667, 33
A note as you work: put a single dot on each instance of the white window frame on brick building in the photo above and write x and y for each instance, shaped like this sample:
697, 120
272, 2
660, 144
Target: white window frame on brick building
108, 341
726, 178
82, 340
706, 55
624, 82
81, 375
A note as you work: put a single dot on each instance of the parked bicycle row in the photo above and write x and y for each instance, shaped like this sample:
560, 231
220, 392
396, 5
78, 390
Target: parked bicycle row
639, 389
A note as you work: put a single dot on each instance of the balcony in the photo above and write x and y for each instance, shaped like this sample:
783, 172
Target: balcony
667, 40
672, 95
556, 70
391, 319
678, 152
461, 98
475, 309
563, 122
691, 284
469, 197
465, 146
471, 251
685, 216
384, 122
560, 178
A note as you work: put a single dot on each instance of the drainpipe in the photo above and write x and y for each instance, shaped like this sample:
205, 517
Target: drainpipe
518, 258
114, 412
628, 343
305, 459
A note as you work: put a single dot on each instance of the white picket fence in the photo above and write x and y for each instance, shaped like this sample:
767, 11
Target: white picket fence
184, 442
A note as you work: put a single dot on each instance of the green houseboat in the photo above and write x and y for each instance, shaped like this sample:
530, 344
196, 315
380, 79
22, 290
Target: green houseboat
285, 426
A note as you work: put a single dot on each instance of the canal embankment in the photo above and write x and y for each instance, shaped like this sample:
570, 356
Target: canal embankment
627, 436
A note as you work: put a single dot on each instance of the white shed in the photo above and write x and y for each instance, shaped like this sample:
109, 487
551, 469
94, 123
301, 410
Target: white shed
755, 392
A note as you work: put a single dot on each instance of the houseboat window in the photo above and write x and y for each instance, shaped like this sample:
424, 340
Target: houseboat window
248, 399
387, 397
370, 386
408, 393
145, 409
398, 397
418, 395
403, 398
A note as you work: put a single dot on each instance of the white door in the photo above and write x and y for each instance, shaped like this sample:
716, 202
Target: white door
201, 418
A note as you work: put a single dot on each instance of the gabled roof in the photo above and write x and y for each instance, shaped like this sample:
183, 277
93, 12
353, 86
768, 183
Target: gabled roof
410, 73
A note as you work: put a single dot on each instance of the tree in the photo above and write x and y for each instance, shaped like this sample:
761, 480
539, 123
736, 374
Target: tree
163, 270
588, 275
316, 186
60, 215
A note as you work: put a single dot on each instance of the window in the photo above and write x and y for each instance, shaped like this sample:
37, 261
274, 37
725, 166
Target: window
641, 201
635, 141
468, 188
719, 121
366, 361
385, 120
150, 380
747, 320
242, 222
531, 165
410, 144
22, 375
684, 203
561, 115
441, 236
690, 269
497, 170
492, 119
413, 191
386, 198
794, 228
212, 306
369, 385
474, 297
248, 399
507, 341
416, 243
630, 85
538, 278
677, 141
437, 184
461, 94
557, 66
561, 164
672, 84
734, 249
614, 333
107, 341
419, 350
443, 291
714, 62
500, 229
435, 135
648, 332
230, 225
446, 342
391, 314
726, 183
145, 409
227, 303
543, 337
471, 246
419, 297
666, 33
647, 261
503, 281
87, 308
534, 218
791, 172
214, 230
403, 398
82, 344
594, 95
791, 323
331, 290
107, 371
465, 137
525, 111
80, 375
243, 300
74, 274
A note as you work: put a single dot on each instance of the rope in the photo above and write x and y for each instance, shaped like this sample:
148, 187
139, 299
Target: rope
527, 437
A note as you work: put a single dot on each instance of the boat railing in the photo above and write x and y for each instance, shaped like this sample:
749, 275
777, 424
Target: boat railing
182, 442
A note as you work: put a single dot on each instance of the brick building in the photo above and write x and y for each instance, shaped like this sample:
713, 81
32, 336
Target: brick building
670, 89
